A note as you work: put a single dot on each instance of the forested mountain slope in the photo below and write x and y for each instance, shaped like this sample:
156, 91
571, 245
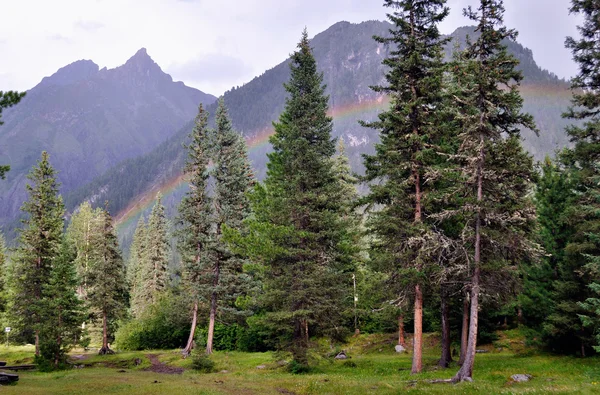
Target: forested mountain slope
89, 120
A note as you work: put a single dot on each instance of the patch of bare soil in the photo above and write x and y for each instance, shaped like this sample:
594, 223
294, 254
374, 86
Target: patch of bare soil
159, 367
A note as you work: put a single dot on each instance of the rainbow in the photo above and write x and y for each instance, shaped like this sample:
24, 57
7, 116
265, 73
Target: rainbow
257, 142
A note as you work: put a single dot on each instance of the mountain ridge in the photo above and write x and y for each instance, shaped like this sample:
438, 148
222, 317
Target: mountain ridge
351, 62
90, 119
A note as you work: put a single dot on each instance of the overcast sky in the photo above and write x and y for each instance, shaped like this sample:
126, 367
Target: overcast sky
213, 45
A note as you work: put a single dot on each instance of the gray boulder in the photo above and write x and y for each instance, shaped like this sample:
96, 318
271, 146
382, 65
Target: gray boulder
521, 378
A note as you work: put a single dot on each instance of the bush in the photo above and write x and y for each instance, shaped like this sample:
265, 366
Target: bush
296, 367
164, 326
235, 337
202, 363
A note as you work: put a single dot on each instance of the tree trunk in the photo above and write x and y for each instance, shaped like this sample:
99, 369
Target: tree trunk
37, 343
190, 343
465, 330
299, 351
446, 357
466, 370
306, 336
58, 342
213, 310
211, 323
105, 349
417, 363
401, 339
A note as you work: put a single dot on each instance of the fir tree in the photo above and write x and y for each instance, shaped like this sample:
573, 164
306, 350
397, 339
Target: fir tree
63, 310
496, 174
137, 253
85, 225
541, 300
107, 292
233, 180
153, 274
410, 138
583, 250
3, 274
39, 245
296, 231
196, 218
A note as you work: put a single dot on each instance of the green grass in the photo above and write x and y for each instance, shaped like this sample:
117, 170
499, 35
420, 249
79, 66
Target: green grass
375, 368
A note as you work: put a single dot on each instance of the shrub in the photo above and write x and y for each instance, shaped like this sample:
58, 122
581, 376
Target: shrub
202, 363
165, 325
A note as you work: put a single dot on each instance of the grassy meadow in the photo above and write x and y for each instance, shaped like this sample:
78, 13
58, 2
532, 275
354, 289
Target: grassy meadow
374, 367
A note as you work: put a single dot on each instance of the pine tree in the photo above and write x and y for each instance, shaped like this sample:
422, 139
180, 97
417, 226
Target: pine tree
410, 138
107, 292
39, 245
8, 99
296, 228
583, 250
233, 180
137, 252
153, 273
196, 218
63, 310
496, 174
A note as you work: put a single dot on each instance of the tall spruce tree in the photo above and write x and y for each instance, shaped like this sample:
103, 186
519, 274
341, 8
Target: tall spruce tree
496, 173
107, 292
583, 250
296, 228
233, 180
196, 218
542, 299
63, 310
153, 273
39, 245
137, 252
410, 135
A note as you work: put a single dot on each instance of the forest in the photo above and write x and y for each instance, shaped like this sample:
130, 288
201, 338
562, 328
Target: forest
453, 229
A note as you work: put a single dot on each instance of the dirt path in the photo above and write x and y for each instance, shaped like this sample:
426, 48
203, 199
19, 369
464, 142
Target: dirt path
159, 367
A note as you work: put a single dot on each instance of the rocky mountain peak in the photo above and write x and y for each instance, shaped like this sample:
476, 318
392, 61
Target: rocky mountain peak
71, 73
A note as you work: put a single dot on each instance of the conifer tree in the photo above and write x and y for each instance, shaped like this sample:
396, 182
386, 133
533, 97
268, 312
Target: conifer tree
496, 174
196, 218
153, 274
137, 252
8, 99
63, 310
296, 231
85, 225
583, 250
107, 292
39, 245
233, 180
410, 138
542, 299
3, 274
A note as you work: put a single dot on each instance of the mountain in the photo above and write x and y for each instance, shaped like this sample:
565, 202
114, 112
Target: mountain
89, 120
351, 62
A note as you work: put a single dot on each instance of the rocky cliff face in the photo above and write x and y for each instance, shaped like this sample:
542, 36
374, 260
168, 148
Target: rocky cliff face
89, 120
